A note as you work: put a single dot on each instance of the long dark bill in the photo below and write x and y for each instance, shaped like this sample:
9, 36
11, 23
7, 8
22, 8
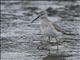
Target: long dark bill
35, 19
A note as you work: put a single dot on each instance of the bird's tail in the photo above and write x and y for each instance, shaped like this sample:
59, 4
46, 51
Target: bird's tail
67, 32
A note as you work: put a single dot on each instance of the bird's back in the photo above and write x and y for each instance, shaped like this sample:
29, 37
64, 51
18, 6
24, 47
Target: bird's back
60, 29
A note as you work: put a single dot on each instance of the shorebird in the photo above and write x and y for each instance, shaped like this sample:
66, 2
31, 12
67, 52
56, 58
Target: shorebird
49, 28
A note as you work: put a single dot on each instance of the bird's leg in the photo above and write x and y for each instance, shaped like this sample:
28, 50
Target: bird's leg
48, 38
49, 41
57, 46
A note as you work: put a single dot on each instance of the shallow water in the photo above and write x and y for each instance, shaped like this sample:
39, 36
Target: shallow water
21, 39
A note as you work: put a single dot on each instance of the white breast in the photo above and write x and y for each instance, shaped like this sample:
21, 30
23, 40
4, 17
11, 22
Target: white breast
46, 28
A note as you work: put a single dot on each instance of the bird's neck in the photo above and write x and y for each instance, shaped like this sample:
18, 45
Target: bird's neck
45, 19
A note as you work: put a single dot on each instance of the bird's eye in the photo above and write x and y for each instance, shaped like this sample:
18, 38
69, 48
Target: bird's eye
42, 17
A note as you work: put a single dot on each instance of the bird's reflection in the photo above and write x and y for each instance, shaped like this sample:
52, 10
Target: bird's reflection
54, 57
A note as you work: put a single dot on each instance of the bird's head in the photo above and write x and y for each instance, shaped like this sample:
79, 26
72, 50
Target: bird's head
43, 14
